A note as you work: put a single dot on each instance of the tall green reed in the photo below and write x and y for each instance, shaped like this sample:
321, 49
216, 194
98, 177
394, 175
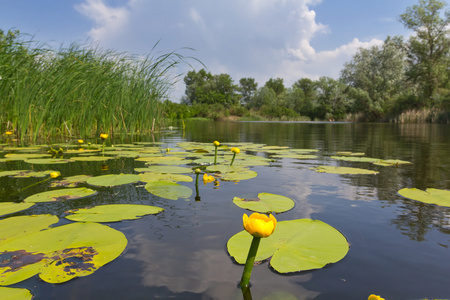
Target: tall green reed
80, 91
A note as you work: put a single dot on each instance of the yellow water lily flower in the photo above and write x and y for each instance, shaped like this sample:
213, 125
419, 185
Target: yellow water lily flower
8, 132
259, 225
55, 174
80, 141
104, 136
235, 150
375, 297
216, 143
208, 178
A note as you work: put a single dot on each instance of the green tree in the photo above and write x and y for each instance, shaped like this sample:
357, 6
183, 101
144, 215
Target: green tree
276, 85
332, 101
247, 88
428, 51
264, 96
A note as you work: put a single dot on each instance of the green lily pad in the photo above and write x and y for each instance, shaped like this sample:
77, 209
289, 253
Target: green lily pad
266, 203
71, 181
343, 170
7, 293
431, 196
59, 195
7, 208
61, 253
91, 158
17, 226
36, 174
122, 153
237, 176
168, 190
165, 169
356, 158
391, 162
13, 173
296, 156
148, 176
24, 156
297, 245
226, 169
47, 161
112, 212
113, 179
348, 153
159, 159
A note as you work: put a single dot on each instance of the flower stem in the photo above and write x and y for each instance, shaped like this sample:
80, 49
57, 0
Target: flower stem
245, 280
215, 155
197, 196
232, 161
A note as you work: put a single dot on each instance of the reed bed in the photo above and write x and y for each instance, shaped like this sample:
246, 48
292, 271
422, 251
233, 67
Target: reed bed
80, 91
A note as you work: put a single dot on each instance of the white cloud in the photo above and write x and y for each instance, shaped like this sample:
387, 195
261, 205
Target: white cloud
259, 39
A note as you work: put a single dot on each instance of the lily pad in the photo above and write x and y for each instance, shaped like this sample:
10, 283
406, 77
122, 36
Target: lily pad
159, 159
17, 226
431, 196
148, 176
71, 181
113, 179
237, 176
61, 253
165, 169
91, 158
297, 245
112, 213
356, 158
343, 170
7, 293
47, 161
7, 208
295, 156
13, 173
391, 162
266, 203
59, 195
168, 190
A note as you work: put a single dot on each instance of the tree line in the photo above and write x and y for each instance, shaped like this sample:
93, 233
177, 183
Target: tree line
378, 84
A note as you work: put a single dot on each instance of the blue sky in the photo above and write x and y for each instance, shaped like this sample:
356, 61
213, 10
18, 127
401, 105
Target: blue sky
262, 39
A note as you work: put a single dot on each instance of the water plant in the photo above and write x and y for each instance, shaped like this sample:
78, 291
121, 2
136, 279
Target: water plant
235, 151
259, 226
216, 144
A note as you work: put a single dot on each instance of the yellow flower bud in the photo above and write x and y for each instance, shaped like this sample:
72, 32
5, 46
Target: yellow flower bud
55, 174
80, 141
259, 225
375, 297
216, 143
235, 150
8, 132
104, 136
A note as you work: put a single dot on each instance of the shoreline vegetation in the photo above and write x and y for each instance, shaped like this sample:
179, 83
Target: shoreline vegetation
80, 91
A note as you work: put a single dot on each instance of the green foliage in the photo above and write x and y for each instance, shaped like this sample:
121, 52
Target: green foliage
79, 90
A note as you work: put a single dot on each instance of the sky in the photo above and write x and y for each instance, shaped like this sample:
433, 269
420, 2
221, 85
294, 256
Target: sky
260, 39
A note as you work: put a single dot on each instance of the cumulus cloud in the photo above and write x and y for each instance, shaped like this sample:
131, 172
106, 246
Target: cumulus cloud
259, 39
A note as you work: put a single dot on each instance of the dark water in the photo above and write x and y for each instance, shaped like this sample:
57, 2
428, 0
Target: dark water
399, 248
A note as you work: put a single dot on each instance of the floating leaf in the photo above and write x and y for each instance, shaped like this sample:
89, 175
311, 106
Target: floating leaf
71, 181
297, 245
159, 159
113, 179
391, 162
7, 293
13, 173
123, 153
356, 159
147, 177
226, 169
237, 176
431, 196
24, 156
165, 169
91, 158
34, 174
348, 153
47, 161
61, 253
343, 170
16, 226
169, 190
11, 207
112, 212
59, 195
296, 156
266, 203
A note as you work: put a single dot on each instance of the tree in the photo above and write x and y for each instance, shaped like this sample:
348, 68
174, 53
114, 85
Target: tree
204, 88
332, 102
276, 85
247, 89
429, 48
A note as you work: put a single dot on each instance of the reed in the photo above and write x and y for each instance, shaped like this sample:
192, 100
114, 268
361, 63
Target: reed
80, 91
